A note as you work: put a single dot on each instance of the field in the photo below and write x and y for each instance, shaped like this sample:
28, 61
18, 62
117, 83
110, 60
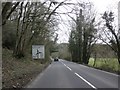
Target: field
109, 64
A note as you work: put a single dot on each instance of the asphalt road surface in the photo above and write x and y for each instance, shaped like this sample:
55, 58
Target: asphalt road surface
65, 74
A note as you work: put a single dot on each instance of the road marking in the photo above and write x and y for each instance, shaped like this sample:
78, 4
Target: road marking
80, 76
62, 62
85, 81
66, 66
69, 68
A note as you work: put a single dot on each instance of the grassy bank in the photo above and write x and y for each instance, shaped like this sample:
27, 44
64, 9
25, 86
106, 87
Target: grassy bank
18, 72
108, 64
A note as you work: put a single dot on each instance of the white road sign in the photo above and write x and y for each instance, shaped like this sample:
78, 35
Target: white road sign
38, 51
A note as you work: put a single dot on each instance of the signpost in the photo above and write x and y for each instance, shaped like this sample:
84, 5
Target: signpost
38, 51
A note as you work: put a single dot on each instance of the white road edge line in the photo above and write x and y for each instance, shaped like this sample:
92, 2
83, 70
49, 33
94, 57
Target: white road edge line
85, 81
101, 71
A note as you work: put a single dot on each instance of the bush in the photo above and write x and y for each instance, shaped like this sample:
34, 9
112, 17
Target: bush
9, 35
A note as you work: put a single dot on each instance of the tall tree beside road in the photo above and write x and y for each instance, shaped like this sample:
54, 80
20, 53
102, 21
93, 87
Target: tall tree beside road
73, 47
111, 33
8, 8
35, 23
84, 35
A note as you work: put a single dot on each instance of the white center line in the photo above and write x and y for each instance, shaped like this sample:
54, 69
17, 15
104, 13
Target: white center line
66, 66
80, 76
85, 81
69, 68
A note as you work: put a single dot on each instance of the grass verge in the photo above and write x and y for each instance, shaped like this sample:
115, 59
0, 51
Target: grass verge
107, 64
16, 73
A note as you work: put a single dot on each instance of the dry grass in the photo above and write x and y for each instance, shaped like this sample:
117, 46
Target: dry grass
18, 72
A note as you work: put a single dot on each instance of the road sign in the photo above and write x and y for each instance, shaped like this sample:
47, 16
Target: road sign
38, 51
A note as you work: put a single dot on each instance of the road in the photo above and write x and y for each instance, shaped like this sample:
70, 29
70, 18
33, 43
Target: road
65, 74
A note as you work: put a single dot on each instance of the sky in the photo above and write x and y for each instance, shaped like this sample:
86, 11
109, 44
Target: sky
100, 6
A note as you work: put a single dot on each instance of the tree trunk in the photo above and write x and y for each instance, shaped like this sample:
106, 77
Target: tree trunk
21, 37
5, 10
86, 52
118, 56
95, 59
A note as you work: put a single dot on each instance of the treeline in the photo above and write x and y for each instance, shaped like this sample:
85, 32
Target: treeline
86, 30
27, 23
82, 35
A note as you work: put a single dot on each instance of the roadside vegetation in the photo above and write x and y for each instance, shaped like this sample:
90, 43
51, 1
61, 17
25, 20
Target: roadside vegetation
25, 24
34, 23
107, 64
18, 72
95, 42
91, 37
100, 60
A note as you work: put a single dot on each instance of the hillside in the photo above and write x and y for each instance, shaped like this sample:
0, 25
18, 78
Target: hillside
18, 72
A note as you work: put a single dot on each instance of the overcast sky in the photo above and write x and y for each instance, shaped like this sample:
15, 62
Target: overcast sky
100, 6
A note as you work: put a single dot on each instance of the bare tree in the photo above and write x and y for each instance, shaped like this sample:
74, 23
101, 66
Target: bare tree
8, 8
33, 17
111, 34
